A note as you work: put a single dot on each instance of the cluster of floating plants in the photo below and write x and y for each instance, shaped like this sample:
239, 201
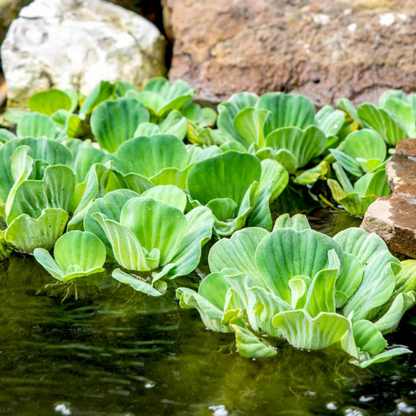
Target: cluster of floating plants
144, 179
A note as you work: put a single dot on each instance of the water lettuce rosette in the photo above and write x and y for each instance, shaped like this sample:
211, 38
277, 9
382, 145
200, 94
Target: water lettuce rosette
237, 188
305, 287
150, 236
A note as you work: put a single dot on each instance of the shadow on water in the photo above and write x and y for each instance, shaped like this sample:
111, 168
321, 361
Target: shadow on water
113, 351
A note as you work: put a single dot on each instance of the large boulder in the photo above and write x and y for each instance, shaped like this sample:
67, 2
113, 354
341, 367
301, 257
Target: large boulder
393, 217
324, 49
9, 9
77, 43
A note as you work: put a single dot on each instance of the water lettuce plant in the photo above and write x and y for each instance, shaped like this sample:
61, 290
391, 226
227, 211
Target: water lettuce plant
362, 151
151, 236
304, 287
237, 188
277, 126
358, 197
76, 254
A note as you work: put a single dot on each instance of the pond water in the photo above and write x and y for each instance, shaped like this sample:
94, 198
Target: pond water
112, 351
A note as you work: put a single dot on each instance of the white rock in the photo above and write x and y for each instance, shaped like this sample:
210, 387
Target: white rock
77, 43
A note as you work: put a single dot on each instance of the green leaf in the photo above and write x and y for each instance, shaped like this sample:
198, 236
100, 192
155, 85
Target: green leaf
160, 95
376, 287
6, 135
139, 284
380, 120
49, 151
249, 124
365, 144
77, 254
403, 112
48, 102
347, 162
26, 233
304, 145
198, 232
274, 179
390, 320
228, 111
385, 356
368, 338
110, 205
36, 125
329, 120
169, 194
298, 222
238, 253
115, 122
250, 346
174, 124
287, 110
287, 253
310, 176
55, 190
228, 175
156, 224
6, 249
148, 156
349, 279
305, 332
102, 92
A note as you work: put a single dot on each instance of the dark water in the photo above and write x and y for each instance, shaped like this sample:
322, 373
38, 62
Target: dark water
112, 351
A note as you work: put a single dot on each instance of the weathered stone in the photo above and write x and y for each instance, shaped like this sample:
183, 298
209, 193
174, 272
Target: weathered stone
393, 217
324, 49
77, 43
9, 9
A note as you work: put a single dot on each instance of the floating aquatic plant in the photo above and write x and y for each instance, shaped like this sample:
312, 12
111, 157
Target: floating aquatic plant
305, 287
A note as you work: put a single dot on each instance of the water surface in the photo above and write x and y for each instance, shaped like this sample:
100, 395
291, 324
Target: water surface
113, 351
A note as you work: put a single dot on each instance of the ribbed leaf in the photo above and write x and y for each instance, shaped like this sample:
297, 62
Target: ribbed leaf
36, 125
76, 254
168, 194
403, 112
349, 279
110, 205
198, 232
101, 92
115, 122
274, 179
287, 253
368, 338
238, 253
329, 120
304, 145
249, 124
47, 102
26, 233
127, 250
380, 121
55, 190
385, 356
148, 156
160, 95
156, 225
298, 222
250, 346
390, 320
49, 151
137, 283
224, 176
305, 332
229, 109
376, 287
365, 144
287, 110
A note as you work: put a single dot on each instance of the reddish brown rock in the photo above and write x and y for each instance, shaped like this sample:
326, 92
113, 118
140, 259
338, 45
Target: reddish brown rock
393, 217
324, 49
